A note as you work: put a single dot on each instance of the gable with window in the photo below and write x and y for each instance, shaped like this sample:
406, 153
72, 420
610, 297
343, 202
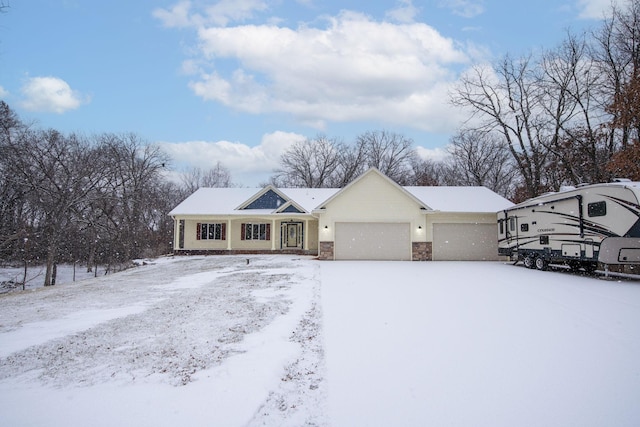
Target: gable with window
268, 200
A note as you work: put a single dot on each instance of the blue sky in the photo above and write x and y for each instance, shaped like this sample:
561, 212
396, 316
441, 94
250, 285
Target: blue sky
238, 81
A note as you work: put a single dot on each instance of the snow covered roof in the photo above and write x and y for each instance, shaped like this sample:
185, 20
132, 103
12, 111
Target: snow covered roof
309, 198
230, 201
460, 199
213, 200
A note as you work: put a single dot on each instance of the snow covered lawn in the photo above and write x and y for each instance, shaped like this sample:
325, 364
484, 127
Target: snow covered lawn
207, 341
214, 341
479, 344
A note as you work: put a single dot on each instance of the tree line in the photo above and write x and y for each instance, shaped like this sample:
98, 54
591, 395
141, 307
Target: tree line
472, 159
567, 115
101, 199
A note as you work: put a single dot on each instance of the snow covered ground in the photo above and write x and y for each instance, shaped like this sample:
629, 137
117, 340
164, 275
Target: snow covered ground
214, 341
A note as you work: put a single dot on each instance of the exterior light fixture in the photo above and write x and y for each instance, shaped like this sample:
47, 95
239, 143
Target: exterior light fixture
326, 227
419, 227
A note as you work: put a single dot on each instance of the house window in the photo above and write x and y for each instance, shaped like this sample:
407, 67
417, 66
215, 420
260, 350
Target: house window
597, 209
208, 231
256, 232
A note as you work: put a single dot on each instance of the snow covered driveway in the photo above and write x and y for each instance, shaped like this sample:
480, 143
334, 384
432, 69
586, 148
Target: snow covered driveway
289, 341
479, 344
187, 342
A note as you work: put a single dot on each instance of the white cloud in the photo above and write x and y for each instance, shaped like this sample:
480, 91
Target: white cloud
435, 154
50, 94
464, 8
3, 92
397, 74
249, 166
221, 13
405, 12
177, 16
226, 11
594, 9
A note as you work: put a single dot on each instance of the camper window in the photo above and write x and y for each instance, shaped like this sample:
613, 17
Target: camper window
524, 227
512, 224
597, 209
501, 223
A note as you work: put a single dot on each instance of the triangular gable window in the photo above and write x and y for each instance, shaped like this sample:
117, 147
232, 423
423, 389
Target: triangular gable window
291, 209
269, 200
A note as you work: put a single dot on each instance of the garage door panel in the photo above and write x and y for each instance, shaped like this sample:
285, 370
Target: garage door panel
465, 242
372, 241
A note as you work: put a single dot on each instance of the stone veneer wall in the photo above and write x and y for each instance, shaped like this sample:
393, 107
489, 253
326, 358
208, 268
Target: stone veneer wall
326, 250
421, 251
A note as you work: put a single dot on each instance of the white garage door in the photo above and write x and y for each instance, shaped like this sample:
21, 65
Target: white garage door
373, 241
465, 242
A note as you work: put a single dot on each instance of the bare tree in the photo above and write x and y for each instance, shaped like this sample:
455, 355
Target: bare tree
57, 173
12, 195
391, 153
479, 158
569, 94
506, 100
351, 163
310, 163
616, 51
71, 198
217, 177
565, 114
135, 172
327, 162
427, 172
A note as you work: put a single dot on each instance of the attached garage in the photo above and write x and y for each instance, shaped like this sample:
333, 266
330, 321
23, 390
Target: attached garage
464, 242
374, 218
373, 241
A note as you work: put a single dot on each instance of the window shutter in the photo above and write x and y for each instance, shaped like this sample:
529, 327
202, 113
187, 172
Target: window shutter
223, 231
268, 233
198, 229
242, 231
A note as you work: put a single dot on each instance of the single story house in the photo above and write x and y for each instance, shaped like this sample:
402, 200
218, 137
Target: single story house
372, 218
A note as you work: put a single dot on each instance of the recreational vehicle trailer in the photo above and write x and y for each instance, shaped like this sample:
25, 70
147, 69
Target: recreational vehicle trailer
579, 227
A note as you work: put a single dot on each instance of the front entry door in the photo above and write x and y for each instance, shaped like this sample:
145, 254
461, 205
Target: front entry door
292, 235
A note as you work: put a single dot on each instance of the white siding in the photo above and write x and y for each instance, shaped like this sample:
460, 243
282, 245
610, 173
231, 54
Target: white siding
373, 199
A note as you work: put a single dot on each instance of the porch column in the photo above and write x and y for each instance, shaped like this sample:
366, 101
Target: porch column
305, 235
174, 244
273, 234
229, 234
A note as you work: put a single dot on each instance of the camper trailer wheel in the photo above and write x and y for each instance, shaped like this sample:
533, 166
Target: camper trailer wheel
529, 261
541, 264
